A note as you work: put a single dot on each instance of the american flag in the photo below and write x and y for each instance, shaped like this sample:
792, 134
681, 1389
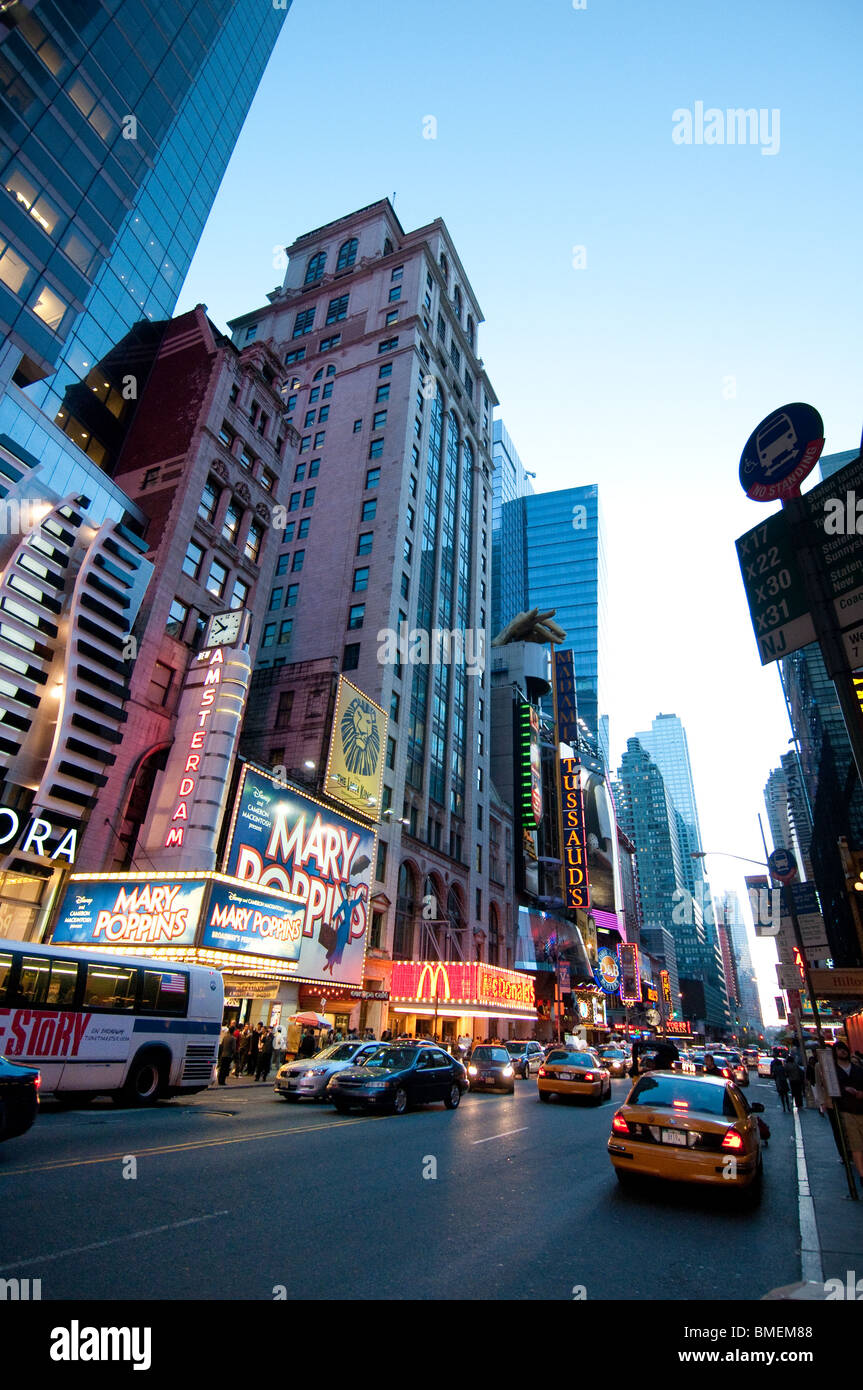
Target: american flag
174, 984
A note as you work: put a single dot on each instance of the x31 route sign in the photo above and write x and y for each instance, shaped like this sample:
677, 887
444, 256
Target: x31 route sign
775, 589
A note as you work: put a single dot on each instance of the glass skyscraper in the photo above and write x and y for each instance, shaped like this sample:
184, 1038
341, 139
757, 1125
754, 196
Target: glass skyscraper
511, 482
117, 121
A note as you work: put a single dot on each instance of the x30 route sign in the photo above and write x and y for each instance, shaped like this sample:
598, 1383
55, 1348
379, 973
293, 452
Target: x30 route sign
775, 589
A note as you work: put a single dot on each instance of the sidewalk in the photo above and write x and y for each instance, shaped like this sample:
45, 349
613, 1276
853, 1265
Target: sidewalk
236, 1083
838, 1219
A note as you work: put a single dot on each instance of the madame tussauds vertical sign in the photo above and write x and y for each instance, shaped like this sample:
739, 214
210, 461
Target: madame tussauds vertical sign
573, 840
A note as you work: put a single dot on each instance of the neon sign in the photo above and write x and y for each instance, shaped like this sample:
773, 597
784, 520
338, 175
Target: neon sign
457, 982
576, 887
187, 783
529, 765
630, 978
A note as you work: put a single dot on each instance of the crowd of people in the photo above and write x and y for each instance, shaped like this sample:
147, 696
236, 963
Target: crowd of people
844, 1110
250, 1051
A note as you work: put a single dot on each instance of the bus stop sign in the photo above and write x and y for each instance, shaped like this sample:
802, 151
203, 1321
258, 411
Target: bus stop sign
782, 865
781, 452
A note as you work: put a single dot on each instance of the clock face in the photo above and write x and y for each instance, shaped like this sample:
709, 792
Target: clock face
224, 628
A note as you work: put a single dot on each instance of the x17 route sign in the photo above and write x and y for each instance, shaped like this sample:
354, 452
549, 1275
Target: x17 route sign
775, 589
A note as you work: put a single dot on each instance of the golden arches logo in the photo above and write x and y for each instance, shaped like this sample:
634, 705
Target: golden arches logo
434, 973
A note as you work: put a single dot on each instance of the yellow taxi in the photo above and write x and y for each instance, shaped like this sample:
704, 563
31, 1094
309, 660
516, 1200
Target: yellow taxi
685, 1128
567, 1071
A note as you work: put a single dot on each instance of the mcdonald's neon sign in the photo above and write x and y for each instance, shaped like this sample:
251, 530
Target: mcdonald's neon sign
458, 982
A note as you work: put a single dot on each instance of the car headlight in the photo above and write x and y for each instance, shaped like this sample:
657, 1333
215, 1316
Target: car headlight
507, 1071
315, 1071
471, 1071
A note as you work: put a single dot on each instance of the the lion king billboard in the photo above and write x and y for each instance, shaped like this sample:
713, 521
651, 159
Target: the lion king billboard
355, 765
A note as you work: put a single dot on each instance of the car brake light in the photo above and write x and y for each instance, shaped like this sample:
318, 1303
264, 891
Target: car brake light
38, 1082
733, 1139
541, 1071
588, 1076
619, 1124
680, 1104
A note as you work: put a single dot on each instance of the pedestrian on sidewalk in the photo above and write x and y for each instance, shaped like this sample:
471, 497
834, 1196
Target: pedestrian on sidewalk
265, 1055
227, 1053
280, 1044
813, 1081
780, 1081
850, 1102
794, 1074
254, 1045
243, 1051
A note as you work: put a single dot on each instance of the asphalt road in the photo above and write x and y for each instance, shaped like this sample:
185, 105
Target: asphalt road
240, 1195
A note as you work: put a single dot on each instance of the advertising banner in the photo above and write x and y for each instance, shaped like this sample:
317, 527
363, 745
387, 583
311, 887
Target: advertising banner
601, 841
544, 939
145, 912
469, 983
607, 970
284, 840
257, 923
630, 980
355, 764
565, 706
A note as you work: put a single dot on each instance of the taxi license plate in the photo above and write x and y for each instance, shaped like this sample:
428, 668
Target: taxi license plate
674, 1136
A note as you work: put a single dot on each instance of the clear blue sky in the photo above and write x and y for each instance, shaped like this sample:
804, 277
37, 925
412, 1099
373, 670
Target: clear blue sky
703, 263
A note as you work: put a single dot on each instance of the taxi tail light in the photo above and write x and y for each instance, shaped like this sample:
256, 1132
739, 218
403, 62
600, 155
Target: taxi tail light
541, 1071
619, 1124
726, 1071
733, 1139
588, 1076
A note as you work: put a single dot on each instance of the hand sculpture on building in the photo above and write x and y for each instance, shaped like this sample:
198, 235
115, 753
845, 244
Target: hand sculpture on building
531, 627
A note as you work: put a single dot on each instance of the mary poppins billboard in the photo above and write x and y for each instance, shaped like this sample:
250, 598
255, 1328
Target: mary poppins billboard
284, 840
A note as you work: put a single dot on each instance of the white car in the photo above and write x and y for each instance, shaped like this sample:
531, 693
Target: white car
765, 1061
307, 1079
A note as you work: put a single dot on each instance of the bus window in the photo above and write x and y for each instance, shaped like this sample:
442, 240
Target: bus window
110, 987
35, 978
164, 992
64, 977
5, 974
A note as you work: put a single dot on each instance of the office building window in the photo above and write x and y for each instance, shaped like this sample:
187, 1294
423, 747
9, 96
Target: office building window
373, 477
398, 272
410, 518
323, 414
298, 355
356, 615
388, 345
177, 617
328, 385
291, 596
303, 323
380, 420
309, 497
376, 449
314, 468
315, 268
337, 309
283, 562
209, 500
361, 579
285, 629
327, 345
405, 585
395, 294
351, 657
192, 561
288, 534
240, 594
276, 599
319, 439
254, 538
285, 709
381, 866
408, 552
303, 530
369, 510
217, 579
160, 683
385, 370
391, 753
358, 424
364, 544
347, 254
299, 472
305, 444
394, 707
297, 562
310, 419
268, 637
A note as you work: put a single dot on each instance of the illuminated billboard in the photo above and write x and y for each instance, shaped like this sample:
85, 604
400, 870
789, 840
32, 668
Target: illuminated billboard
468, 983
131, 911
528, 764
282, 839
573, 836
355, 764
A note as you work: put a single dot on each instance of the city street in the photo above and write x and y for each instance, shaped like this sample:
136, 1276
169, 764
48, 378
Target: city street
238, 1193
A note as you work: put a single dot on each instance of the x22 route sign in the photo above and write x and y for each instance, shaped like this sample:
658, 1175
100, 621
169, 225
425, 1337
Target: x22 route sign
775, 589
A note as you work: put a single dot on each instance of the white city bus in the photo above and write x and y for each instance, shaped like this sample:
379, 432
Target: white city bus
96, 1024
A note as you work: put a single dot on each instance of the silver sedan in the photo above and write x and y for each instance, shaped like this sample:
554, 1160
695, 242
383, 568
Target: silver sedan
307, 1079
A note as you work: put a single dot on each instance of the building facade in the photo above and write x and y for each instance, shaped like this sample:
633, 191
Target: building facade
384, 567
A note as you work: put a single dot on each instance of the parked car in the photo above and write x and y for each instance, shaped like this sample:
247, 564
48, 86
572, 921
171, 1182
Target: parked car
567, 1072
397, 1075
19, 1098
526, 1056
490, 1067
307, 1079
684, 1128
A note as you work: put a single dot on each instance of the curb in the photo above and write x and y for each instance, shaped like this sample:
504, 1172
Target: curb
811, 1268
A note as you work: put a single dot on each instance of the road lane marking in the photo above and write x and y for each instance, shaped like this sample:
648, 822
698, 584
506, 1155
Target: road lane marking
113, 1240
502, 1135
177, 1148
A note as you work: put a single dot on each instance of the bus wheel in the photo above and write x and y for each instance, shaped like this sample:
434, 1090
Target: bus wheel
146, 1080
